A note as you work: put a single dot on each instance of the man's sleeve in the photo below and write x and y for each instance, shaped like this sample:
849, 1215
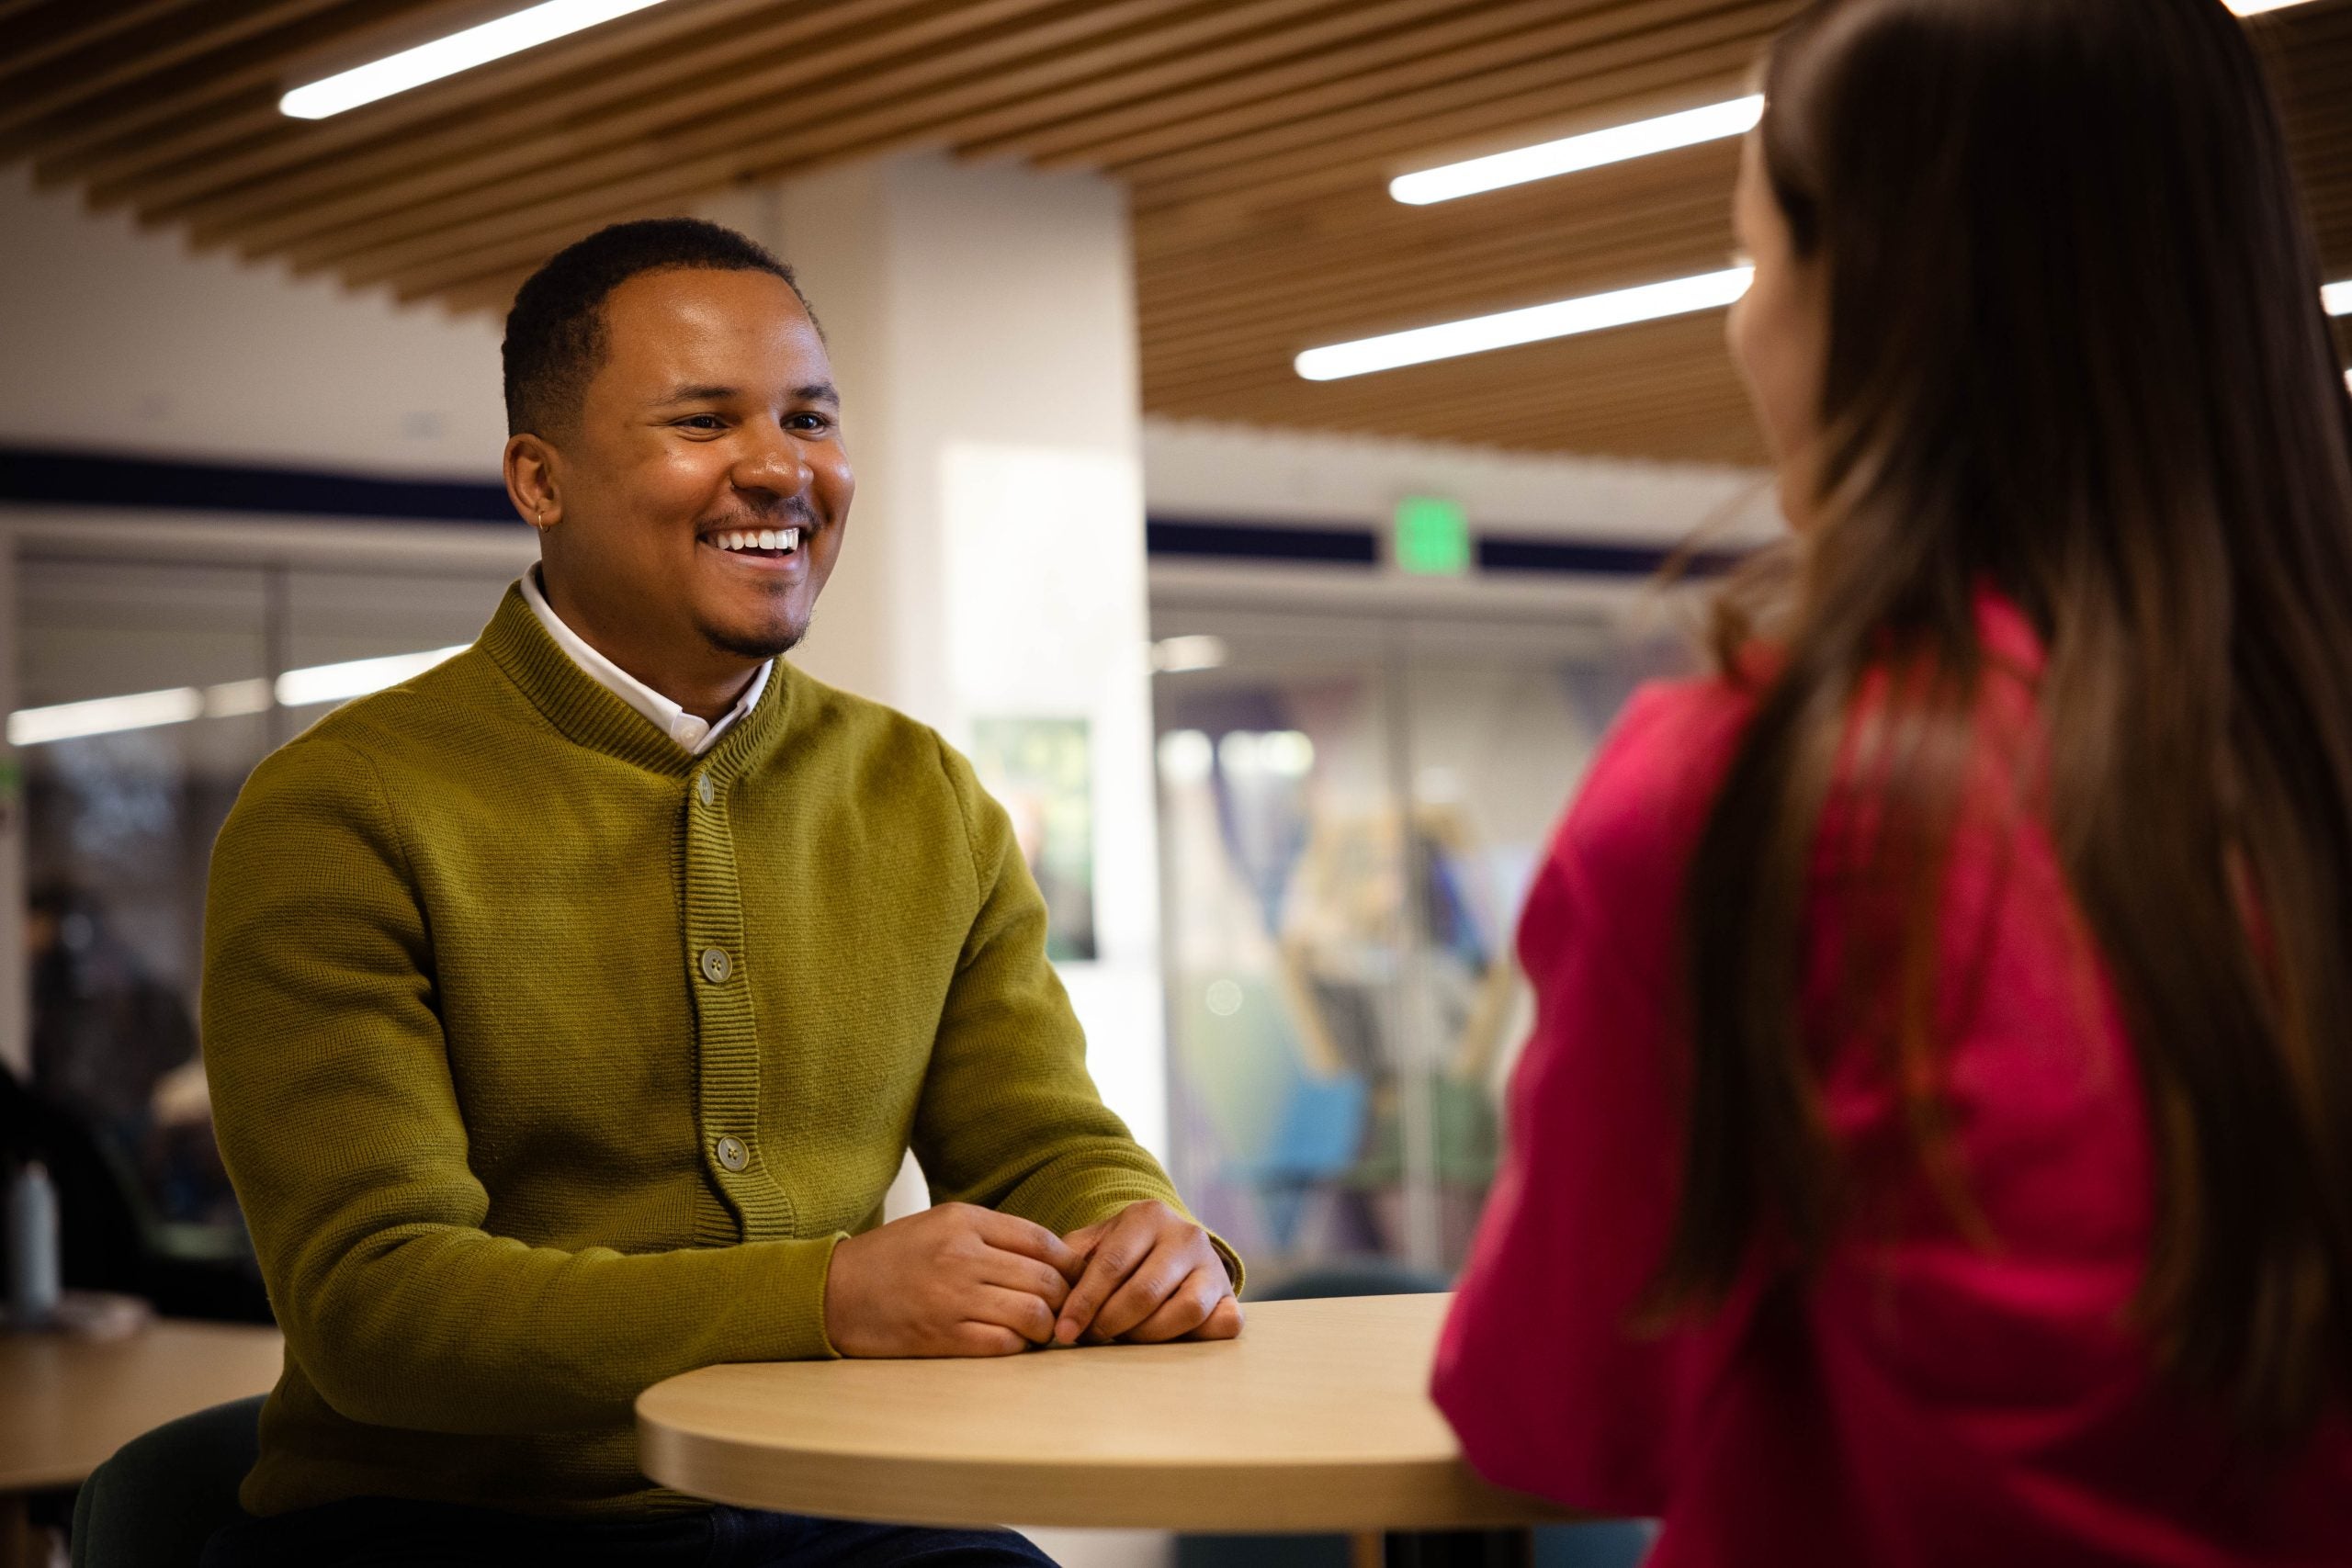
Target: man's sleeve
340, 1126
1008, 1118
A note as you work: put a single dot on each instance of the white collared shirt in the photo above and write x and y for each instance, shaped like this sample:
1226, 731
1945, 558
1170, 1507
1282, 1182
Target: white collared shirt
694, 735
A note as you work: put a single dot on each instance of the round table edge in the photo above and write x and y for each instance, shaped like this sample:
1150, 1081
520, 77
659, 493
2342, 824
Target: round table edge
1303, 1495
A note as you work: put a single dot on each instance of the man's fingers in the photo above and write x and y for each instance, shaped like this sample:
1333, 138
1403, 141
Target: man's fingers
1015, 1310
1013, 1271
1151, 1283
1009, 1233
1114, 1257
985, 1340
1189, 1307
1223, 1320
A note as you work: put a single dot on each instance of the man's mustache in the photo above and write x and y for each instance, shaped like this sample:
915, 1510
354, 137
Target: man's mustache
783, 508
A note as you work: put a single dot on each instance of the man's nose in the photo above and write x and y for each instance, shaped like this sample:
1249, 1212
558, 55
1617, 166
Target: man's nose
772, 461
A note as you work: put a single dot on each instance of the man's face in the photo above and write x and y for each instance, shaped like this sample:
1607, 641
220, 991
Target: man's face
708, 438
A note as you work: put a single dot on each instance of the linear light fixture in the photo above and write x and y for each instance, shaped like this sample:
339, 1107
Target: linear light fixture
1619, 143
356, 677
229, 699
447, 56
1182, 655
104, 715
1568, 318
1716, 122
1536, 324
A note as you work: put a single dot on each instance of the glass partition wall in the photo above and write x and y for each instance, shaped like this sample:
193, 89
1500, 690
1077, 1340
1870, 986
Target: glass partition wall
1352, 808
148, 689
1352, 811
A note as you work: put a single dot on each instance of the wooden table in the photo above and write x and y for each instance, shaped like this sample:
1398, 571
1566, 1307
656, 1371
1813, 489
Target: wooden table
1315, 1419
66, 1404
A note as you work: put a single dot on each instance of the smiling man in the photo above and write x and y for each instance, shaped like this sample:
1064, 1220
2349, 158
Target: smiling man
569, 1009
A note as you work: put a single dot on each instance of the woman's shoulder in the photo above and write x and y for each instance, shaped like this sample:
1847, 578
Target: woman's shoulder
1646, 797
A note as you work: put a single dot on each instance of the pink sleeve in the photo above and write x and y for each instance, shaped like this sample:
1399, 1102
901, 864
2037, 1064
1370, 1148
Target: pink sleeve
1549, 1388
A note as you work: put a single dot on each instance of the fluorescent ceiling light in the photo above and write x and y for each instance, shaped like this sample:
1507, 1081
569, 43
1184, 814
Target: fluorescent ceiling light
234, 699
1177, 655
1618, 143
104, 715
1716, 122
355, 678
1565, 318
229, 699
447, 56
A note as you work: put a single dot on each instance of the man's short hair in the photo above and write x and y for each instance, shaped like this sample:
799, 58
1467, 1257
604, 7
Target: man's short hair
555, 334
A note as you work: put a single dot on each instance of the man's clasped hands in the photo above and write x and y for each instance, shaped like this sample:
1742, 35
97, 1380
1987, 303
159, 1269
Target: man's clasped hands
962, 1280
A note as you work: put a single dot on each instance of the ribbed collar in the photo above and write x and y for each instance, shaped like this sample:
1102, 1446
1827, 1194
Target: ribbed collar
665, 715
589, 714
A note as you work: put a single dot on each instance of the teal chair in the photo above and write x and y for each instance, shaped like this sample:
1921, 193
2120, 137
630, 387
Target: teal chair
160, 1498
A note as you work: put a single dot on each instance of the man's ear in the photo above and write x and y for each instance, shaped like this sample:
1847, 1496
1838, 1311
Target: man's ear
531, 483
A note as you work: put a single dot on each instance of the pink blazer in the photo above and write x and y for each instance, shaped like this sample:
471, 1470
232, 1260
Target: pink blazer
1926, 1400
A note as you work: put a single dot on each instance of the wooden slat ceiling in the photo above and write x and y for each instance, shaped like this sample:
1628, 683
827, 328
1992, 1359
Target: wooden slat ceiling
1256, 136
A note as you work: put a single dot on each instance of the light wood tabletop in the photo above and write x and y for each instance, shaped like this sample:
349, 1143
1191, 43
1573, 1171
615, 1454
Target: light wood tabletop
67, 1403
1317, 1418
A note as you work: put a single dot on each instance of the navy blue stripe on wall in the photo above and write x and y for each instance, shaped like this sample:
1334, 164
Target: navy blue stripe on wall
1584, 558
102, 479
61, 478
1325, 545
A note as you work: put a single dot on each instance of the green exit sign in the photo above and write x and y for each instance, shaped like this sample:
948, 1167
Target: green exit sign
1432, 538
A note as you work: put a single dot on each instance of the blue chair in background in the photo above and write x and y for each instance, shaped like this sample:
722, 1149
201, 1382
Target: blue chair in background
1316, 1141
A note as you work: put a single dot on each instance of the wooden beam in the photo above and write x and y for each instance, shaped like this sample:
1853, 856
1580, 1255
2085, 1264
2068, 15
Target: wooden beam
183, 35
1362, 152
803, 90
1320, 27
1246, 147
61, 28
1370, 68
178, 113
1569, 219
177, 123
818, 124
604, 80
1366, 305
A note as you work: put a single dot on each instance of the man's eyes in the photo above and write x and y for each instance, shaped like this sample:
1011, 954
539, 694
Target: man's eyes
711, 423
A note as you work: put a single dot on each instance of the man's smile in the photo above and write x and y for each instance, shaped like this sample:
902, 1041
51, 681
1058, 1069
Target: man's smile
767, 548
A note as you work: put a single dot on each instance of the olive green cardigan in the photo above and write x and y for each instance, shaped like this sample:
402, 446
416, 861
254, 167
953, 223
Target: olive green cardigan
550, 1061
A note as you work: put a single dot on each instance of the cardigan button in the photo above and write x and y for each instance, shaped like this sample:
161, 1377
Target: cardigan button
714, 966
703, 792
732, 1153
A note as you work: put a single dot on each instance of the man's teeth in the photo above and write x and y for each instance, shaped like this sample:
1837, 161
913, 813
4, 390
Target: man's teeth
783, 539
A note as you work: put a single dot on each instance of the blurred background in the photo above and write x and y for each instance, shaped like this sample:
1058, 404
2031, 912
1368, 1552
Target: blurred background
1285, 666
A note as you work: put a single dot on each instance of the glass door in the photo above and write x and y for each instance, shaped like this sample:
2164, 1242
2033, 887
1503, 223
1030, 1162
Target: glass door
1352, 811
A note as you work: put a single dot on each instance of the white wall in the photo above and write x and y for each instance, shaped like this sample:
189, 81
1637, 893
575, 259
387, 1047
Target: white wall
121, 338
982, 325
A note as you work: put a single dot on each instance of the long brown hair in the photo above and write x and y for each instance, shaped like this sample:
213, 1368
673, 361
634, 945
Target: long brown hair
2077, 355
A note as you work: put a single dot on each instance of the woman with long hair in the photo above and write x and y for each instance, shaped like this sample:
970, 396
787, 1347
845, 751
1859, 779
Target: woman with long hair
1936, 1142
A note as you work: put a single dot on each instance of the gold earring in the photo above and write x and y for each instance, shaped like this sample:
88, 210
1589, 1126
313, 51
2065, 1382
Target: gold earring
538, 517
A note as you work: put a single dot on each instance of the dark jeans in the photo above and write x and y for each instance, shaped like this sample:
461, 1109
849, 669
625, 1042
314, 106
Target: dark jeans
378, 1532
